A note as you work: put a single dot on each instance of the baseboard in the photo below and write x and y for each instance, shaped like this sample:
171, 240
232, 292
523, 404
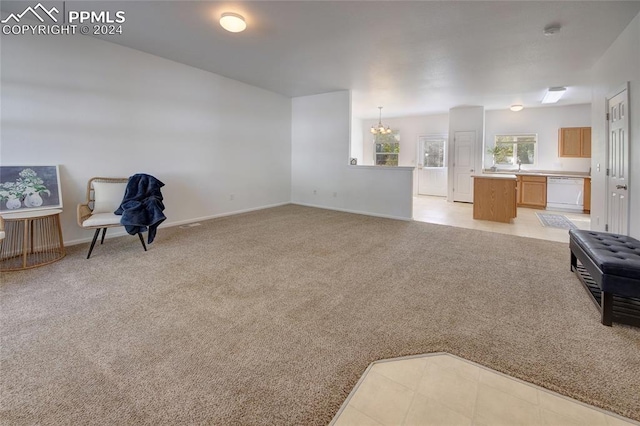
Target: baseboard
385, 216
118, 232
111, 233
215, 216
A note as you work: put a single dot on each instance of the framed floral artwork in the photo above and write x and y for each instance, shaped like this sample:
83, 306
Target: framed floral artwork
29, 188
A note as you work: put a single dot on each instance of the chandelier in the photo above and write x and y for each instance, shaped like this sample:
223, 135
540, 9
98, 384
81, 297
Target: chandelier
380, 129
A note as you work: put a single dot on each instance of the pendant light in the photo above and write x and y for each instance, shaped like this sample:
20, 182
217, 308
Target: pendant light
380, 129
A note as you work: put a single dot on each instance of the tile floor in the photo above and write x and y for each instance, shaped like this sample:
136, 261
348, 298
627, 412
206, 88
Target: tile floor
438, 210
442, 389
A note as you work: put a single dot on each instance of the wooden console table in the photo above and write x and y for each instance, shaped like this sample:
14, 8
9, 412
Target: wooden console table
32, 238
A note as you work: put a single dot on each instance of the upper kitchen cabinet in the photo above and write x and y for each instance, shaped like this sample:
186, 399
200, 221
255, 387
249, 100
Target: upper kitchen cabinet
574, 142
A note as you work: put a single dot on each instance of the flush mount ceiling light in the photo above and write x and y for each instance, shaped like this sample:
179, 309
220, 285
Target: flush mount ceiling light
233, 22
516, 108
380, 129
553, 95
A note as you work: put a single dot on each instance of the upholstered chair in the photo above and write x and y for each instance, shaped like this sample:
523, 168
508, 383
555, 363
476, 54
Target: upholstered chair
104, 196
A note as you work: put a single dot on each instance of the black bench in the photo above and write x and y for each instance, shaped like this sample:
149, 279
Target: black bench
610, 271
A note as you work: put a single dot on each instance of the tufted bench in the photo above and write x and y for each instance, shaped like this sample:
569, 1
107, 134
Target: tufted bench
613, 263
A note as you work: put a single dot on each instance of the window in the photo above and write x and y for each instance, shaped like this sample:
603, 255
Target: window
433, 149
387, 149
511, 150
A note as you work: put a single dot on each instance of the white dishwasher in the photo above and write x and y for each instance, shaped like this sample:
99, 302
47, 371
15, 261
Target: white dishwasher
565, 193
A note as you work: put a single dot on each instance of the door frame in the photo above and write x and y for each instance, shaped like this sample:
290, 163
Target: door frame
451, 163
419, 160
623, 87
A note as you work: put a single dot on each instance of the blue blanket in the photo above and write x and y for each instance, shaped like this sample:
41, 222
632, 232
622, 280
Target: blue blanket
142, 205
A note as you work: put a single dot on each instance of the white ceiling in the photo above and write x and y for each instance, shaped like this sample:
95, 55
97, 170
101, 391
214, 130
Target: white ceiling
417, 57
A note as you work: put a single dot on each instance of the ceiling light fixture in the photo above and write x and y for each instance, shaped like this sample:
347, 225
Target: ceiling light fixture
380, 129
233, 22
553, 95
516, 108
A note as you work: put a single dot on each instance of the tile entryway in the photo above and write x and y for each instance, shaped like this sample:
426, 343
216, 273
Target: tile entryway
442, 389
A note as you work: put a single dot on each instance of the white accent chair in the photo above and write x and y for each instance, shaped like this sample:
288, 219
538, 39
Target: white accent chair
104, 196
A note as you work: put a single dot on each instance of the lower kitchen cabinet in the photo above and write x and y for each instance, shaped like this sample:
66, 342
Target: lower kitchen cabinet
532, 191
587, 195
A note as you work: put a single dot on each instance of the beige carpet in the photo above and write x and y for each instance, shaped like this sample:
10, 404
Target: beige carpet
270, 318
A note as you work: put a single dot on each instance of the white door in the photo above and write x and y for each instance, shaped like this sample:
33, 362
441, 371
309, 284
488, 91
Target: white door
432, 170
618, 160
463, 166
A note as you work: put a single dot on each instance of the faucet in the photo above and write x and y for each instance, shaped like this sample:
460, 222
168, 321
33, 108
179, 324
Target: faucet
519, 164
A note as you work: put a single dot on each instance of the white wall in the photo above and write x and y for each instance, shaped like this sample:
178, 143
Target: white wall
465, 119
357, 141
410, 129
320, 174
620, 64
100, 109
545, 121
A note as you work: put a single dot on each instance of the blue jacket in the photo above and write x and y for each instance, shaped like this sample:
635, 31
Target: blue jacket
142, 205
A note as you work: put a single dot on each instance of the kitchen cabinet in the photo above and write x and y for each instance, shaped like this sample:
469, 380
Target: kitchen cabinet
574, 142
494, 197
587, 195
585, 143
532, 191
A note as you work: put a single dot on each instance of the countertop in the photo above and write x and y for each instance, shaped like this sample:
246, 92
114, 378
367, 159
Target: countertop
495, 176
547, 173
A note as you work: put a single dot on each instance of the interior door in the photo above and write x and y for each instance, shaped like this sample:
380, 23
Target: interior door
618, 161
432, 173
463, 166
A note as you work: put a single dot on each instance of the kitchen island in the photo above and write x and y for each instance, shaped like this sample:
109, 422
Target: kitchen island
495, 197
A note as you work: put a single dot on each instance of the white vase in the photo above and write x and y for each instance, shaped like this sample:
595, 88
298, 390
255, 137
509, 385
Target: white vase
13, 203
33, 200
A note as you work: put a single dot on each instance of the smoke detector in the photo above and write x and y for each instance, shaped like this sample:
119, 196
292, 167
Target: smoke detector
551, 30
